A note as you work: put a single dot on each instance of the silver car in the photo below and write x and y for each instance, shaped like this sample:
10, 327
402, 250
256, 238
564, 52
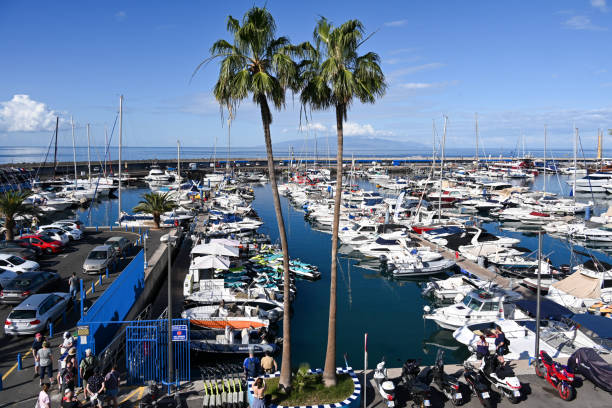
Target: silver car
100, 258
121, 245
34, 314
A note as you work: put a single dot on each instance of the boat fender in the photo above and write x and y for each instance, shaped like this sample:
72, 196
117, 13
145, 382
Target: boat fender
427, 308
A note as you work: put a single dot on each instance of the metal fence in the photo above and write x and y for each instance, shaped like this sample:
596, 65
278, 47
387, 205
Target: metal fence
146, 351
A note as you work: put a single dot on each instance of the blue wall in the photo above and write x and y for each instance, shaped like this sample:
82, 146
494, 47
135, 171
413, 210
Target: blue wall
113, 306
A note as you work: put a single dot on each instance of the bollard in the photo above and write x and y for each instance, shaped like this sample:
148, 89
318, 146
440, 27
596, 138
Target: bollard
50, 330
93, 287
107, 272
96, 228
82, 298
100, 280
126, 228
111, 227
132, 228
18, 361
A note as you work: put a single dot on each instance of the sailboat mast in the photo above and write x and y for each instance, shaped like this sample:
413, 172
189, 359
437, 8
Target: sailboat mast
178, 165
120, 142
74, 153
442, 171
477, 161
575, 154
544, 159
88, 154
55, 154
107, 147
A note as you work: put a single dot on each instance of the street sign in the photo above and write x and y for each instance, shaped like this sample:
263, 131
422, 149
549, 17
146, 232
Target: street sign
179, 332
83, 330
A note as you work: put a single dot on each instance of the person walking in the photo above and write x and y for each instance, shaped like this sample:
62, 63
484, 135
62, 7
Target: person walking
95, 387
45, 359
251, 365
259, 389
111, 383
500, 344
43, 397
74, 284
87, 368
268, 364
66, 376
37, 345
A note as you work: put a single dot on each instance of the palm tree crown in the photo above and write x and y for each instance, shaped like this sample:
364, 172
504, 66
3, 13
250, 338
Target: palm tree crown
11, 206
155, 204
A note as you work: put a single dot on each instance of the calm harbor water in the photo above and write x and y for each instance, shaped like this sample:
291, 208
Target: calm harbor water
389, 311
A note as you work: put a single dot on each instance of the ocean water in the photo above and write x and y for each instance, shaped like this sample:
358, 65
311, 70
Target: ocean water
40, 154
389, 311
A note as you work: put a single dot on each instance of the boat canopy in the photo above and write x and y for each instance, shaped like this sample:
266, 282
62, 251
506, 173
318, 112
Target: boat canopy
580, 285
548, 309
600, 325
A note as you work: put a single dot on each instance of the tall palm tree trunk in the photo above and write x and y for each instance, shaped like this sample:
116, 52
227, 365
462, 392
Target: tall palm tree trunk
329, 372
285, 375
9, 224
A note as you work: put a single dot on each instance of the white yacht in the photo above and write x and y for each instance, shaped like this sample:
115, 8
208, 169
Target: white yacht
157, 175
477, 306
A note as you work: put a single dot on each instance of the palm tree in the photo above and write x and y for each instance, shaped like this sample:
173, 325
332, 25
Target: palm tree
259, 65
335, 76
155, 204
12, 206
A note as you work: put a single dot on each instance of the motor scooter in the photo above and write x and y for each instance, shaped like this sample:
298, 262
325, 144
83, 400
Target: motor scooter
447, 384
558, 375
478, 385
414, 383
501, 378
386, 387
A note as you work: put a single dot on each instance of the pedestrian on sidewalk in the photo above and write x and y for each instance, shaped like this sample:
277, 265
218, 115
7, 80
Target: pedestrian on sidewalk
45, 359
74, 284
87, 368
70, 400
259, 390
111, 383
43, 397
67, 343
268, 364
95, 388
66, 376
37, 345
251, 365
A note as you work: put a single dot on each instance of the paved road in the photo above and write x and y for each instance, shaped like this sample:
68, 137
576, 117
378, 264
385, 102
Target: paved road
20, 383
539, 394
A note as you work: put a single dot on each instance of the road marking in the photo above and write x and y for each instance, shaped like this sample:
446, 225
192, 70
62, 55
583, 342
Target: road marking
140, 393
14, 366
131, 394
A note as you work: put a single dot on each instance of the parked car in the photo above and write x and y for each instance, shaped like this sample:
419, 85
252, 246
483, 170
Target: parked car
44, 242
21, 252
34, 314
55, 233
78, 224
121, 245
22, 243
17, 264
27, 284
6, 276
73, 233
100, 258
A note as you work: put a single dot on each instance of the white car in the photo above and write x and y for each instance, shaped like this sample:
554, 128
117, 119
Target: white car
73, 233
54, 233
76, 224
17, 264
34, 314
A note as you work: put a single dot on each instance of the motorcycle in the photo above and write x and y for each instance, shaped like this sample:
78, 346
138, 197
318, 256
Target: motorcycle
385, 387
502, 379
412, 379
447, 384
558, 375
478, 385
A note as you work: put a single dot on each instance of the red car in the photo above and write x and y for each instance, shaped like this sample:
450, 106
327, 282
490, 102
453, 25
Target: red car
46, 244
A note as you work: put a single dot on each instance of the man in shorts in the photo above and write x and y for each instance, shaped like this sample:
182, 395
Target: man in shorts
111, 384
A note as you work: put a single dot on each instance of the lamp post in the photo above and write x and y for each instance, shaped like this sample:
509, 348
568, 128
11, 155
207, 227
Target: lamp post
170, 242
537, 333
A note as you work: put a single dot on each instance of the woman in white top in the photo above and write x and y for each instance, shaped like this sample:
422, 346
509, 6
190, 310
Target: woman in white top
43, 397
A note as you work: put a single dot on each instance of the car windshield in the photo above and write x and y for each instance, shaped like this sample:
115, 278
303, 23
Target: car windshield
97, 255
66, 228
112, 243
475, 304
23, 314
16, 260
46, 239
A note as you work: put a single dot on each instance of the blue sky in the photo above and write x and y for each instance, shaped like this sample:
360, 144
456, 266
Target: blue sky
519, 64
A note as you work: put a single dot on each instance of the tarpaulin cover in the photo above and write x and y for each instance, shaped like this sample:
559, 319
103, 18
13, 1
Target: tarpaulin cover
587, 362
600, 325
548, 309
580, 286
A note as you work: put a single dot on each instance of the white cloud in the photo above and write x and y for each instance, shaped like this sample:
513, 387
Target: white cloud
22, 114
426, 85
356, 129
414, 69
317, 126
396, 23
582, 23
120, 15
600, 4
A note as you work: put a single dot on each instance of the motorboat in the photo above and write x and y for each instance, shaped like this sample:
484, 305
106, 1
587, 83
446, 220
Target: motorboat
480, 306
157, 175
418, 262
234, 316
454, 288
